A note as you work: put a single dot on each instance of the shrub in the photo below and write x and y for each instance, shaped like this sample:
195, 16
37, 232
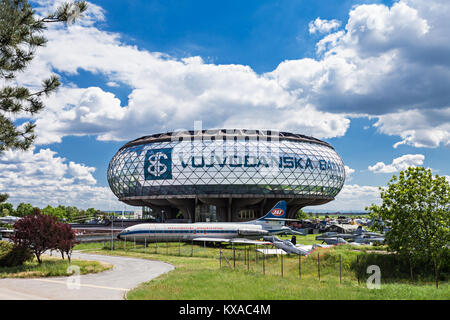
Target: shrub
36, 232
12, 256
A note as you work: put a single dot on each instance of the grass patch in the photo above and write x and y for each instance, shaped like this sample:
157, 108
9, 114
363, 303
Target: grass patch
201, 277
52, 267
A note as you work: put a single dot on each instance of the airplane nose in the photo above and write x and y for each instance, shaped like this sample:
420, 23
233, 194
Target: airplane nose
118, 236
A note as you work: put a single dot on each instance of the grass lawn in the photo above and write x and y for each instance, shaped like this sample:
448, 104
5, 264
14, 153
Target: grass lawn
202, 277
52, 267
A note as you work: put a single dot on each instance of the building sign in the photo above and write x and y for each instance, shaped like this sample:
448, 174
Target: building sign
158, 164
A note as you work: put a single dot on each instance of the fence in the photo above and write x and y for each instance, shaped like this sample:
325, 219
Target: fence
323, 264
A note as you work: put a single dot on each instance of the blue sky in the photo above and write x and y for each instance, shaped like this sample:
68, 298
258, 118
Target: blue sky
367, 75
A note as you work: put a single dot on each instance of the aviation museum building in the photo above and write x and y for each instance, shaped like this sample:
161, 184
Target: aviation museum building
225, 175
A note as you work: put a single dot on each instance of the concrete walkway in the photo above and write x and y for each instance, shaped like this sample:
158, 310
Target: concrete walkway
108, 285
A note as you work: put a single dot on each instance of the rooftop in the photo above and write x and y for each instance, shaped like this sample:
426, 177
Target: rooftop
225, 134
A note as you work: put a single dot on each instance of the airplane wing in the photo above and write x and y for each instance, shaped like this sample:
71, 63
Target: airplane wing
304, 247
235, 240
247, 241
272, 251
212, 239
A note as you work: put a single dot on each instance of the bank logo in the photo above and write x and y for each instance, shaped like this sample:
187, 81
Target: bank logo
277, 212
158, 164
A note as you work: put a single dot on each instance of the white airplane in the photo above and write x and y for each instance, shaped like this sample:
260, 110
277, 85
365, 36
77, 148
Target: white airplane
288, 246
271, 224
9, 219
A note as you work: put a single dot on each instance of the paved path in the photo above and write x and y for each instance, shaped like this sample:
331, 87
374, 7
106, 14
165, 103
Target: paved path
108, 285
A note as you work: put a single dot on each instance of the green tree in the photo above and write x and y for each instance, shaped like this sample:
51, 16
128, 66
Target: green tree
6, 209
301, 215
20, 35
3, 197
24, 209
416, 206
57, 212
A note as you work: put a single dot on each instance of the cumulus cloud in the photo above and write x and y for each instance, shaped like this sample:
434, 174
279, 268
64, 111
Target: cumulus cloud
353, 197
418, 128
348, 173
43, 178
323, 26
386, 63
398, 164
167, 93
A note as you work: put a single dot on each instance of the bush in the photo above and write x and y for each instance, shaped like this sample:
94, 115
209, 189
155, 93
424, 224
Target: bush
12, 256
394, 267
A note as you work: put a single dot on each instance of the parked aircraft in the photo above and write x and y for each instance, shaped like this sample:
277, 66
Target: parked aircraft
270, 224
288, 246
9, 219
360, 236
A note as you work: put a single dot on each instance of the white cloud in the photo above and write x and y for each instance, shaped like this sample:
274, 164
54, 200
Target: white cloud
353, 197
323, 26
388, 62
43, 178
418, 128
167, 93
348, 173
398, 164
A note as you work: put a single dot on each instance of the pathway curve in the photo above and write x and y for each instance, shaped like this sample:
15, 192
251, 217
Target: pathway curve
113, 284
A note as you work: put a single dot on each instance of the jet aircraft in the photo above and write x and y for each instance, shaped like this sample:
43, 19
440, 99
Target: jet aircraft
289, 246
360, 236
271, 224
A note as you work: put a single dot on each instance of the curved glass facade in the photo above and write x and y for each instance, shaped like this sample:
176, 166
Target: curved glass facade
238, 166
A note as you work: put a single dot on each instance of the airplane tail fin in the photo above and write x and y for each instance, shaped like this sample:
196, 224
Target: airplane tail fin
358, 230
277, 212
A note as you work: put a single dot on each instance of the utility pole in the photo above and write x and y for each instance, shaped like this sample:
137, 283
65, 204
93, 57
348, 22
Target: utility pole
112, 236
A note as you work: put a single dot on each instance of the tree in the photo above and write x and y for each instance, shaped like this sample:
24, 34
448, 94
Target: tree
20, 36
6, 209
36, 232
57, 212
65, 239
24, 209
3, 197
301, 215
416, 206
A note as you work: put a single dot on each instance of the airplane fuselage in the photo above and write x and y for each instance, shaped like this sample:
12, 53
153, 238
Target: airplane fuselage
189, 231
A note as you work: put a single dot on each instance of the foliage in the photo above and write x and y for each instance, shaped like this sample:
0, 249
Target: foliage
20, 36
12, 256
40, 232
3, 197
57, 212
396, 268
6, 209
24, 209
65, 239
36, 232
301, 215
62, 213
416, 206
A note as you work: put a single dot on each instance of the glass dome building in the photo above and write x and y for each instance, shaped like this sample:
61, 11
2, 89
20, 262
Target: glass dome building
225, 175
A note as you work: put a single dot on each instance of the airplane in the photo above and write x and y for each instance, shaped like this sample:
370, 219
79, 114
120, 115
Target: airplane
289, 246
333, 240
271, 224
9, 219
360, 236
